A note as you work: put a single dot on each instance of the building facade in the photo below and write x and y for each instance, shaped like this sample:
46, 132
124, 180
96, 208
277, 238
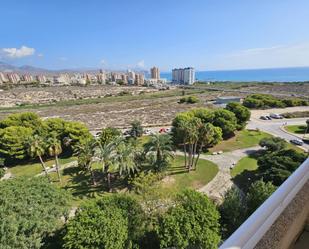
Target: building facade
184, 76
155, 73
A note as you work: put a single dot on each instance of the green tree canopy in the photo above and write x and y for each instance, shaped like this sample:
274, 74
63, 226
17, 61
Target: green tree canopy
56, 125
110, 222
192, 223
76, 132
233, 211
160, 147
109, 134
24, 119
136, 129
29, 210
13, 141
258, 192
273, 143
276, 167
226, 120
241, 112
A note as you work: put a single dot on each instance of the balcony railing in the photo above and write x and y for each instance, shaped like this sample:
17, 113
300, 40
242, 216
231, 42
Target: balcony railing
255, 227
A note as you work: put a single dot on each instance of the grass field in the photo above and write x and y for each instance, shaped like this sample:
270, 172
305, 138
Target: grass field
79, 184
242, 139
297, 129
178, 177
33, 169
246, 163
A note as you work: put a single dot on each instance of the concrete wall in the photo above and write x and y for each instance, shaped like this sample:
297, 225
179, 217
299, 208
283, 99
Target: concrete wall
284, 232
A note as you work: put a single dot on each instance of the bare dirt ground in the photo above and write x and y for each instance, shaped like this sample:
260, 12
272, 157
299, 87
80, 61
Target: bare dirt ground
150, 111
39, 95
278, 89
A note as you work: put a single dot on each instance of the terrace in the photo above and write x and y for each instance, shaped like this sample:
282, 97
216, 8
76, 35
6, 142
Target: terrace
281, 221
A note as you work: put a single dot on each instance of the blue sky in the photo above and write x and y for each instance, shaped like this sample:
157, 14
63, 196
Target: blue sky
121, 34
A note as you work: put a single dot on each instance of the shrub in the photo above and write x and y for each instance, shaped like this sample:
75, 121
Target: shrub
2, 172
265, 101
189, 100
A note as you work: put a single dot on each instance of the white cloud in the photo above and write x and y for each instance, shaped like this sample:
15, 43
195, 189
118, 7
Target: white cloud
40, 55
140, 64
14, 53
292, 55
63, 58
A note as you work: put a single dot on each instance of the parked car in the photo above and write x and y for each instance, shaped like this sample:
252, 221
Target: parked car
147, 131
268, 118
263, 118
162, 130
275, 115
126, 133
297, 142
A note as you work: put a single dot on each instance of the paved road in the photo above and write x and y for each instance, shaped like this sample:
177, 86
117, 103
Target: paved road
275, 127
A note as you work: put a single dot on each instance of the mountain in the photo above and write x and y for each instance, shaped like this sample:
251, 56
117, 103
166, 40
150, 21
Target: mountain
5, 67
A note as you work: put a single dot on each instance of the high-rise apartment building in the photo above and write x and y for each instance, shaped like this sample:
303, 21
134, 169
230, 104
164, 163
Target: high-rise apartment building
14, 78
41, 78
139, 79
155, 73
101, 77
184, 76
27, 78
3, 78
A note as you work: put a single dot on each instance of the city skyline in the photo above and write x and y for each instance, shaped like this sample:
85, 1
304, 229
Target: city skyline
121, 35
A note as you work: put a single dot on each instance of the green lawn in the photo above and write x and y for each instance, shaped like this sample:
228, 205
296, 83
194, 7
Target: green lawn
242, 139
79, 184
33, 169
178, 177
246, 163
297, 129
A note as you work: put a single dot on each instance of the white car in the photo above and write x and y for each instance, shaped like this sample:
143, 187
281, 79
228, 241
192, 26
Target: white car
147, 132
297, 142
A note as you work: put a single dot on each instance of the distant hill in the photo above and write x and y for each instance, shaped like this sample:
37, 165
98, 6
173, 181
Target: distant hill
5, 67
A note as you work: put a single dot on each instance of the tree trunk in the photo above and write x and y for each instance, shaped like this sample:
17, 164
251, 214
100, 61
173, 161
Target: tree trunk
194, 153
92, 175
198, 156
44, 167
57, 167
109, 181
185, 152
190, 157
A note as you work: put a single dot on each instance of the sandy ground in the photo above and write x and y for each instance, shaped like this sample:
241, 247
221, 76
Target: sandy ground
259, 113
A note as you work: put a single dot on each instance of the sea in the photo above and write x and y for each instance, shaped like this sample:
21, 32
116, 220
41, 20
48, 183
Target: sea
295, 74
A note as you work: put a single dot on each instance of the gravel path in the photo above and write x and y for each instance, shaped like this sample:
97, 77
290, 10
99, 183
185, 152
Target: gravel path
223, 181
62, 167
6, 176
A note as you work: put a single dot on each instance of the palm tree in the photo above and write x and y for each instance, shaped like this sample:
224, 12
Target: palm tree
86, 152
55, 149
161, 147
36, 149
124, 160
193, 136
107, 157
